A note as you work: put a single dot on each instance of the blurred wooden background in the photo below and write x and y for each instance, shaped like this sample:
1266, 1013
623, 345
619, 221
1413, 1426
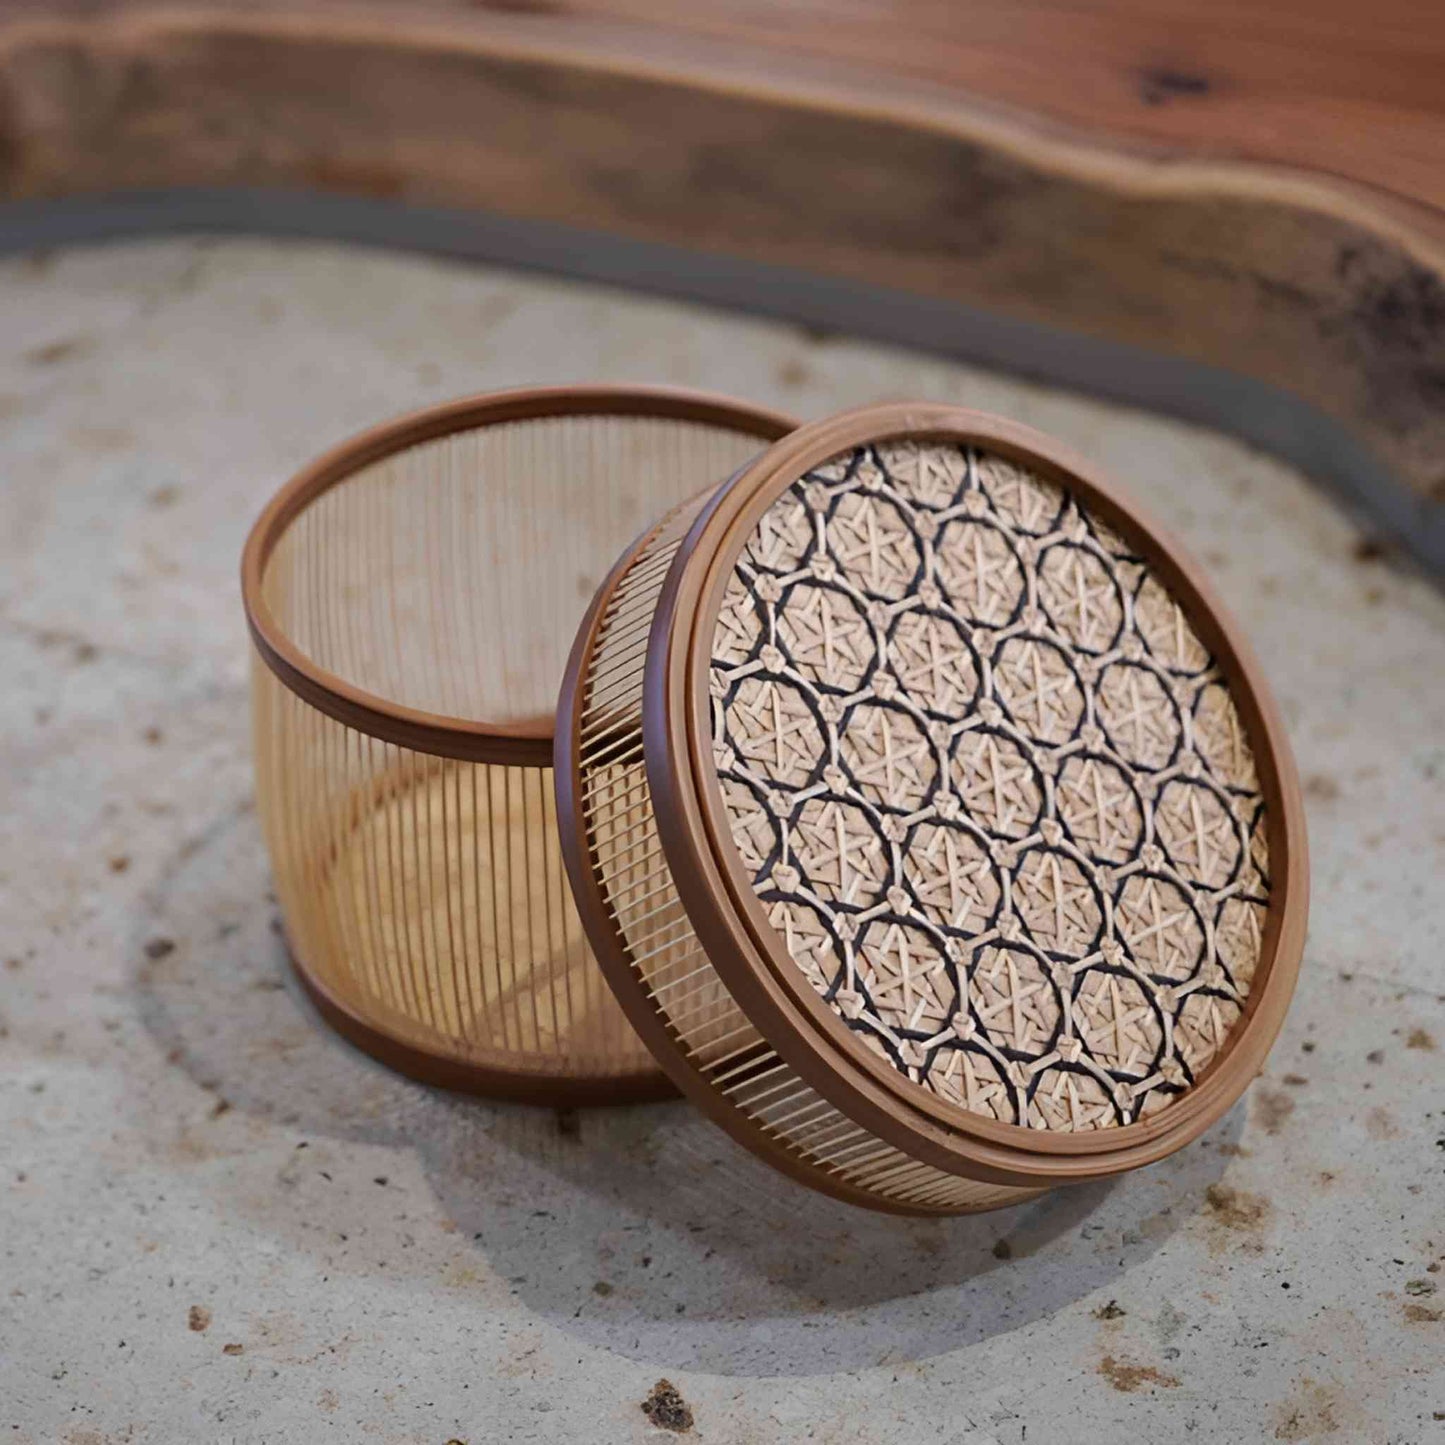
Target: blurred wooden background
1258, 189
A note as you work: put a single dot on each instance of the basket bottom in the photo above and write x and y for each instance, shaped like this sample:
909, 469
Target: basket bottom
436, 932
495, 1080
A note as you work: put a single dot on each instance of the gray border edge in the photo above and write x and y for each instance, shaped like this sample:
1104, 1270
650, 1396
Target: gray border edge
1263, 415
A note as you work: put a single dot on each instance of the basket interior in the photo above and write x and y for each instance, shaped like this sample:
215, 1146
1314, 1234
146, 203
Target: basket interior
450, 577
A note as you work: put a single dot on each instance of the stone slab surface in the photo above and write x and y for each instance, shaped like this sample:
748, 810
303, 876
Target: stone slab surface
217, 1222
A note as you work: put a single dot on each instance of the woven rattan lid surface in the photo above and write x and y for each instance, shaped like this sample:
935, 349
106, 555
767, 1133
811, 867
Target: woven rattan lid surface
989, 785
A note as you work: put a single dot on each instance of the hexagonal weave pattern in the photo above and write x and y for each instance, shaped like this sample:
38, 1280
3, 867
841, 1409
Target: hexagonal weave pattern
990, 786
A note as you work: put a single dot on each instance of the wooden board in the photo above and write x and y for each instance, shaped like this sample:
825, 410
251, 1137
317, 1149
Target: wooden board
1289, 233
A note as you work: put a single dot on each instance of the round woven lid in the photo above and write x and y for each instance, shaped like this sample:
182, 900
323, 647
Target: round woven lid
974, 796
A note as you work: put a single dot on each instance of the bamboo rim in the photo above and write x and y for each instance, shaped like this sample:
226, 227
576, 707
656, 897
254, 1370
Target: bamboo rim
731, 921
528, 742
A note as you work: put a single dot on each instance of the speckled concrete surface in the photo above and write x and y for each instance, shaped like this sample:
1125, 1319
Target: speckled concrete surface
219, 1223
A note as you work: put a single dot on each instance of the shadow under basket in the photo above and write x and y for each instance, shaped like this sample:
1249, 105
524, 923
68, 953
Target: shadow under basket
412, 597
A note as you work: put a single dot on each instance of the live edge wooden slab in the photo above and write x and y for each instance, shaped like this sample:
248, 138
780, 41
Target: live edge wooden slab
1294, 238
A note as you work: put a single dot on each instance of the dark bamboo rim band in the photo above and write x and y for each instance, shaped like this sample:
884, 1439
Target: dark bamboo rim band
470, 1076
731, 921
528, 742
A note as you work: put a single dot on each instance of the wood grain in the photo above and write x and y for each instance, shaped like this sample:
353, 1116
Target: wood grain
1321, 86
1272, 239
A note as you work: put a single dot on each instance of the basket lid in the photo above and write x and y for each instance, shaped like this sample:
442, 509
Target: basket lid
974, 795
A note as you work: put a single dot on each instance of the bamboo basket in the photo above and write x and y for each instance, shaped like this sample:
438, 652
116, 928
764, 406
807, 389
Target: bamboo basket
929, 818
411, 597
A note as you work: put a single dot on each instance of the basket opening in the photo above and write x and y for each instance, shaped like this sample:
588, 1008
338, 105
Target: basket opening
450, 576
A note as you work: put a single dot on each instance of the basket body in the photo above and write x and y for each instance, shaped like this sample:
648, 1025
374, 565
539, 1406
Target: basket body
929, 817
411, 599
